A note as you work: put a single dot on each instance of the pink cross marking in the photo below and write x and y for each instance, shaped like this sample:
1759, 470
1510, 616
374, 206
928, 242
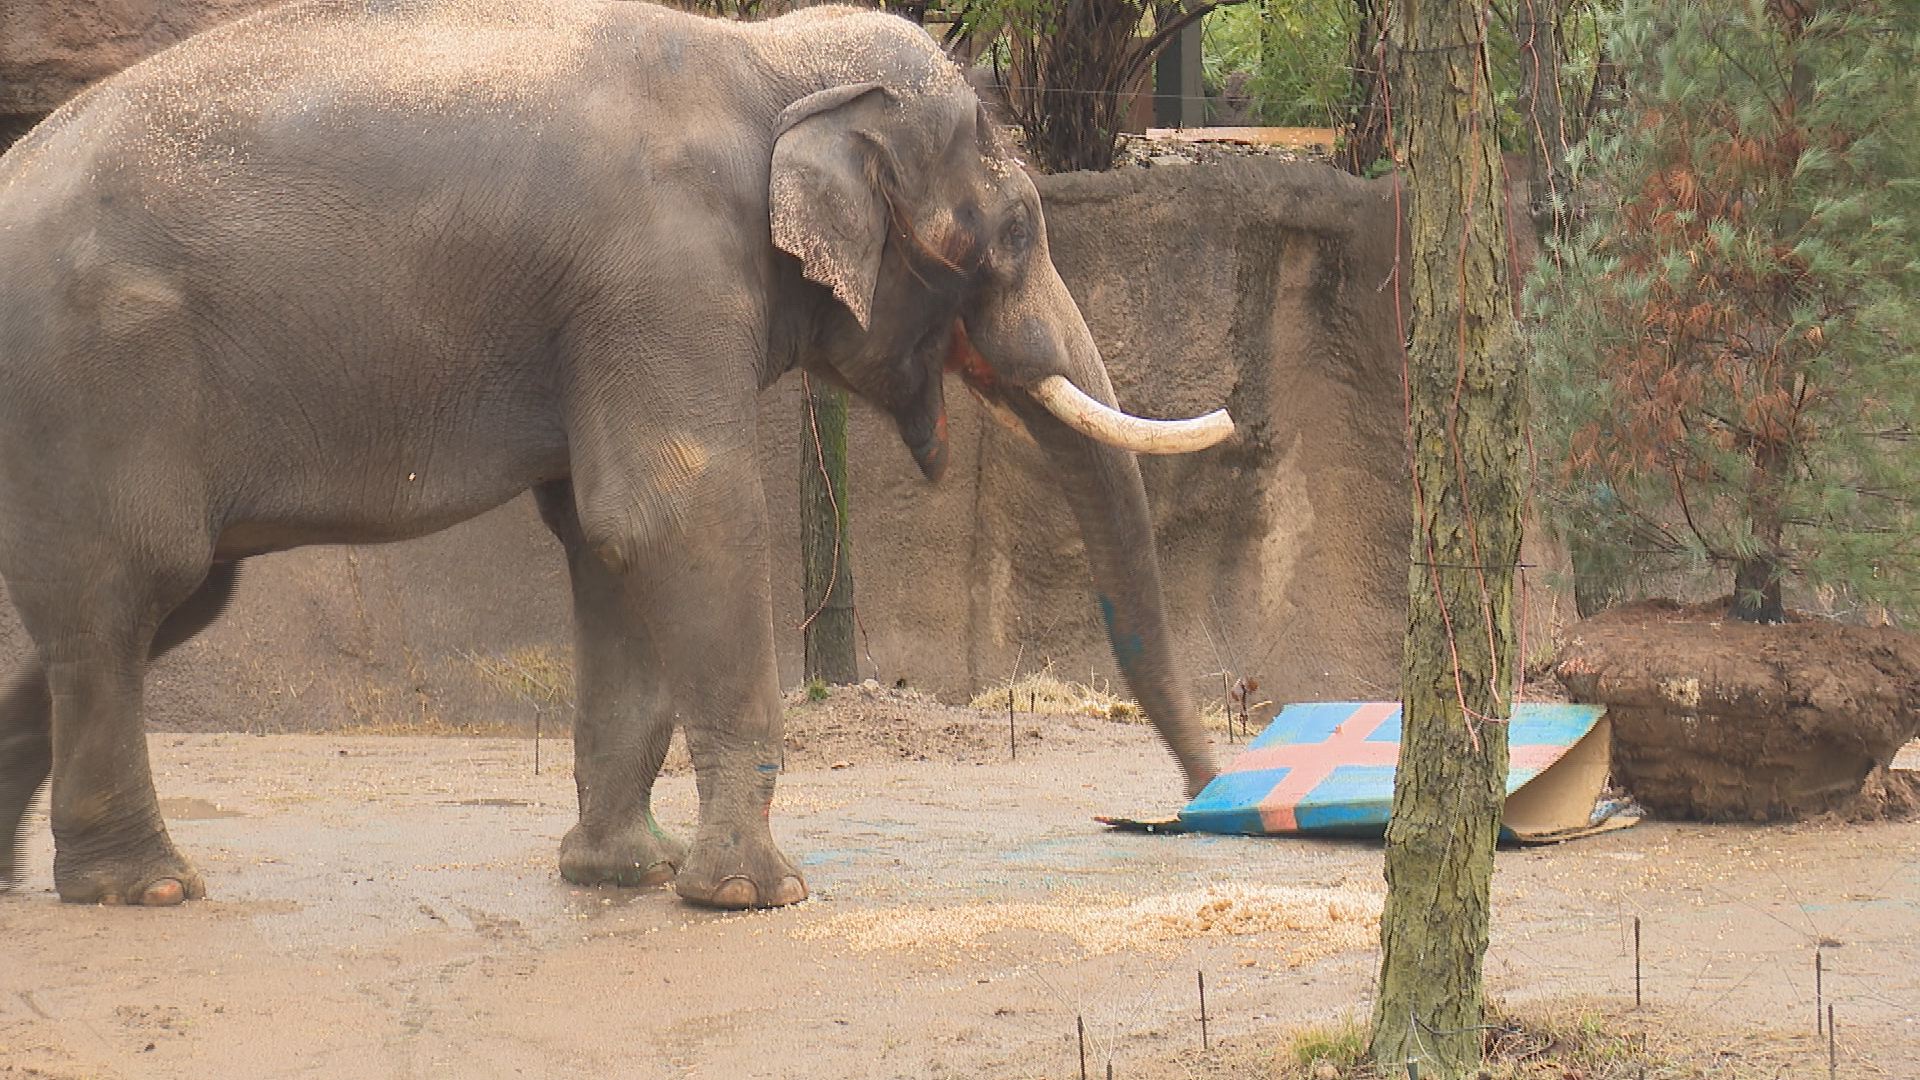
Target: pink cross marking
1309, 764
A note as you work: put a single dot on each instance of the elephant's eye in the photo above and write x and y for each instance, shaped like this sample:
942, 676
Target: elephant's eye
1018, 235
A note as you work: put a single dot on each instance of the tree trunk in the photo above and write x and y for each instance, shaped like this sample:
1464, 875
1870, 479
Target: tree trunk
1466, 410
1537, 32
1757, 591
825, 549
1757, 579
1594, 589
1367, 141
1541, 42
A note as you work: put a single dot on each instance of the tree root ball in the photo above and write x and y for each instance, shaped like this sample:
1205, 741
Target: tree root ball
1720, 720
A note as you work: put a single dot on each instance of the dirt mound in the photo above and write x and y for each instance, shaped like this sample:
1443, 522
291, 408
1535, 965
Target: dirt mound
870, 724
1717, 719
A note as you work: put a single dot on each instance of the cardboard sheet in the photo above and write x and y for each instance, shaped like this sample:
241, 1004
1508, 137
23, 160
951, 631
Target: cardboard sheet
1327, 768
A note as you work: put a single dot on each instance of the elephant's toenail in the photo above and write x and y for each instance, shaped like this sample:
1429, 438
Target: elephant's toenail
164, 893
736, 892
791, 891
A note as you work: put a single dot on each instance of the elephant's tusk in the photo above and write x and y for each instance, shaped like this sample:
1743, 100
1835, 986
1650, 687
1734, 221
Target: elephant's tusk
1111, 426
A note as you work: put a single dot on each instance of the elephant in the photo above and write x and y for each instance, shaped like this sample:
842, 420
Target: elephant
352, 271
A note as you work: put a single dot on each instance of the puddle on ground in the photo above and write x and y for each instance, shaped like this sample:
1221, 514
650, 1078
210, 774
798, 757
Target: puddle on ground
188, 808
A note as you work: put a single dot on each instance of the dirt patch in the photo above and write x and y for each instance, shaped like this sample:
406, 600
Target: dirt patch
1145, 152
1717, 719
391, 907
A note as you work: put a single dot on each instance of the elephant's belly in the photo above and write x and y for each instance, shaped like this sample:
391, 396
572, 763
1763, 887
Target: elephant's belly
384, 511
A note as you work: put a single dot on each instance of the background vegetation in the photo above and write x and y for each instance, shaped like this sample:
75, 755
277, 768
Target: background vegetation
1728, 348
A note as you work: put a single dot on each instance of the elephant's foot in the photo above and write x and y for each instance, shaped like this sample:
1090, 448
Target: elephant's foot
154, 875
639, 856
739, 871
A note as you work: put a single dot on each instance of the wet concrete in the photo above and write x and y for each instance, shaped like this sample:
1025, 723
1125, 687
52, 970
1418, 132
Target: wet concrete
389, 908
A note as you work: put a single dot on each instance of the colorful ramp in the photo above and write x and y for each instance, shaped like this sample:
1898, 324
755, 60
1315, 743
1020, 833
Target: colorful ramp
1327, 768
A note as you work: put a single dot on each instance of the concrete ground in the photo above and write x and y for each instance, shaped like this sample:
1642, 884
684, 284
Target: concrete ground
388, 907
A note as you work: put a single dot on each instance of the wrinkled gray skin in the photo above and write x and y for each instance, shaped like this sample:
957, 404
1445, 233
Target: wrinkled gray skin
332, 276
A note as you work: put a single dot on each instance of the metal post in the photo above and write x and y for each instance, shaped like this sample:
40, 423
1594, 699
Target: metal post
1819, 992
1080, 1022
1205, 1043
1636, 962
1013, 746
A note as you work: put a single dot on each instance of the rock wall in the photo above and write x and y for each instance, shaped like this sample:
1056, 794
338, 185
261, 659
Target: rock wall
1258, 284
51, 49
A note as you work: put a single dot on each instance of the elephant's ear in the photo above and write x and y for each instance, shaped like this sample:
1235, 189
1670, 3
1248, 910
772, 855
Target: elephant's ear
825, 208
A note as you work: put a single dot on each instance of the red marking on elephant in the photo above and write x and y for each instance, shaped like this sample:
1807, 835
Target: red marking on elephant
965, 359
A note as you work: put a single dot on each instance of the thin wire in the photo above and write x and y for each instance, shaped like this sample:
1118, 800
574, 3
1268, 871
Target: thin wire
820, 459
1105, 93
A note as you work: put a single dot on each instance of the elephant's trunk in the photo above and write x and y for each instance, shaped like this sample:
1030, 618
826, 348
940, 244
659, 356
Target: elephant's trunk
1102, 484
1029, 351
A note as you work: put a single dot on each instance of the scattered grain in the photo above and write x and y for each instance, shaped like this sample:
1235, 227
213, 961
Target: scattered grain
1320, 921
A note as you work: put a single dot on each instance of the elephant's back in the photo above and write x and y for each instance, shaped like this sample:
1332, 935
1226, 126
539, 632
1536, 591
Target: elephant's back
310, 70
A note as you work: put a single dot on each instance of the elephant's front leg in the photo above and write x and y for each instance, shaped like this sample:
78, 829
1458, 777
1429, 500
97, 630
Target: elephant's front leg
623, 722
737, 756
681, 632
718, 614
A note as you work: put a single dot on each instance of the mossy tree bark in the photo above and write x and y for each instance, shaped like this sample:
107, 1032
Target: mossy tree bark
825, 548
1466, 407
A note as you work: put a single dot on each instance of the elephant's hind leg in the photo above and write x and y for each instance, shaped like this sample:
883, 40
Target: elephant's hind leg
26, 756
135, 860
26, 713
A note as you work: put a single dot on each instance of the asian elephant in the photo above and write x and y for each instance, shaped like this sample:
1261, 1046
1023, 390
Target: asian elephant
351, 271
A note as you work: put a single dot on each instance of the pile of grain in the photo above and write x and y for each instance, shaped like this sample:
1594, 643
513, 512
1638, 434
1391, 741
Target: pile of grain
1316, 921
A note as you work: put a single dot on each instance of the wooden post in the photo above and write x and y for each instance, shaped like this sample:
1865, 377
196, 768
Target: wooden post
825, 547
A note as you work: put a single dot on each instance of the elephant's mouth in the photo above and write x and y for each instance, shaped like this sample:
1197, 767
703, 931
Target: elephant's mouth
979, 378
1077, 409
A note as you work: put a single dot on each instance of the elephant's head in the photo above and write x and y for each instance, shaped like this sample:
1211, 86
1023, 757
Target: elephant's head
897, 198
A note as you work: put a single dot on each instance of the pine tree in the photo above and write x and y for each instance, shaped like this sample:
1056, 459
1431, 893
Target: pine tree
1728, 352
